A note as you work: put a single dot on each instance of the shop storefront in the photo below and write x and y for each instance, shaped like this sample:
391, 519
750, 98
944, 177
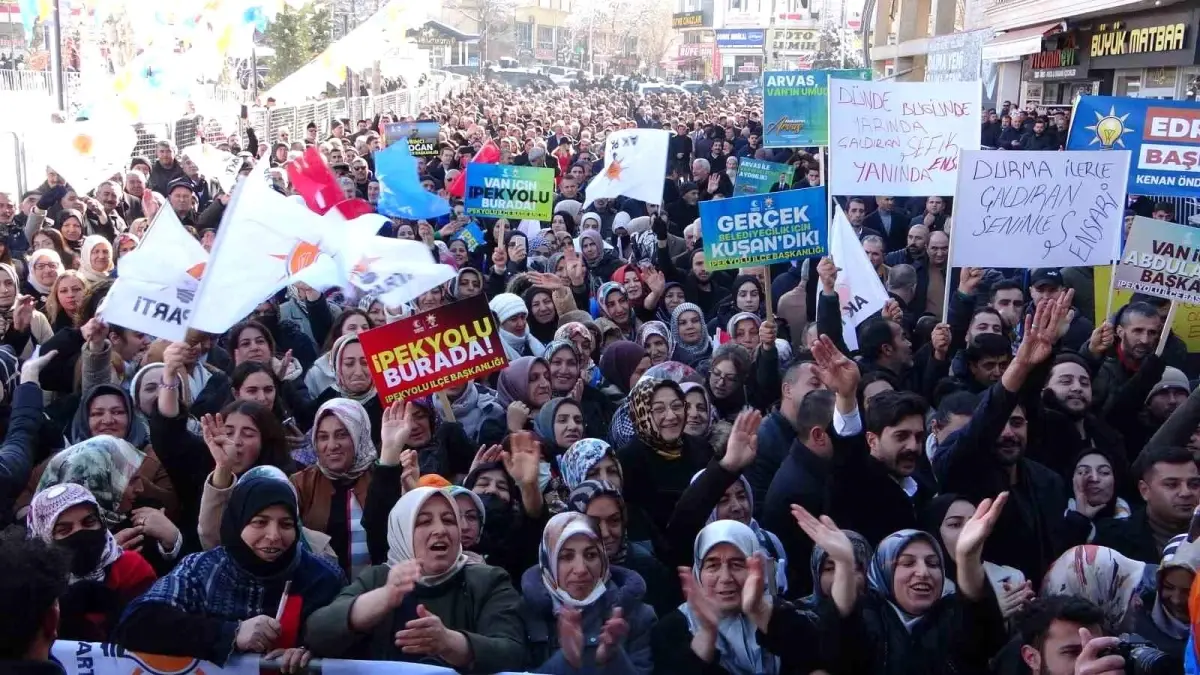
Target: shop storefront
741, 52
1058, 73
1144, 55
792, 48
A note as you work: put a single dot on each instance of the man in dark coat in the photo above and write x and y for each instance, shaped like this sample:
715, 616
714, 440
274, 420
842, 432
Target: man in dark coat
1170, 483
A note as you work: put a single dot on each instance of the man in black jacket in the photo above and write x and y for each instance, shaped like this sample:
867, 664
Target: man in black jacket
1010, 136
1038, 139
1170, 483
988, 457
165, 169
1068, 427
780, 428
891, 220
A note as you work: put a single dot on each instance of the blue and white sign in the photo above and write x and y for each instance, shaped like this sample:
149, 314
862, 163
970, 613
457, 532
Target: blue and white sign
1164, 137
741, 37
764, 229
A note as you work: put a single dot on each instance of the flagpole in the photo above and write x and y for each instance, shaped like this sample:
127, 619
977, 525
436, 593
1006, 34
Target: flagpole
1166, 331
949, 268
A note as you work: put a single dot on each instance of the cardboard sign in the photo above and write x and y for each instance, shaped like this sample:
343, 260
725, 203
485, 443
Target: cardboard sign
1161, 259
764, 229
422, 137
506, 191
757, 176
428, 352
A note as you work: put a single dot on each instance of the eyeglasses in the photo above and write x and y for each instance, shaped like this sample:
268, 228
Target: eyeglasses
661, 409
723, 378
42, 267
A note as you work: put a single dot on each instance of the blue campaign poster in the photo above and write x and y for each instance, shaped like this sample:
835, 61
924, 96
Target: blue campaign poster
764, 229
1163, 137
796, 106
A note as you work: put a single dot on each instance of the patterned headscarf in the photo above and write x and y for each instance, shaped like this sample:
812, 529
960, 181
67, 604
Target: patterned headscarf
588, 491
862, 558
335, 356
579, 459
10, 370
643, 422
571, 331
558, 531
881, 575
1099, 574
104, 465
555, 347
656, 328
696, 350
713, 417
49, 504
602, 295
354, 417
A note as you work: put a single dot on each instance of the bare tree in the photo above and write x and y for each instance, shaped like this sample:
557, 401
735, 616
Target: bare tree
491, 20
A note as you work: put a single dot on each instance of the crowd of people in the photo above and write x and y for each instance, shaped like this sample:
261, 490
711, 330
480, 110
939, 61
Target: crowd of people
678, 471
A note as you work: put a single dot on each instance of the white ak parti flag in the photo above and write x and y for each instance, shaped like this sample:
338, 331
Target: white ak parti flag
265, 240
157, 283
87, 153
860, 292
395, 271
634, 162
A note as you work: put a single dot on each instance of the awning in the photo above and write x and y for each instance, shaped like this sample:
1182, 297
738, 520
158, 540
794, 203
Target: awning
1017, 43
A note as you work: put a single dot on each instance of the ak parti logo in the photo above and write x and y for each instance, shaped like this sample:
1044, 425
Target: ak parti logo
157, 664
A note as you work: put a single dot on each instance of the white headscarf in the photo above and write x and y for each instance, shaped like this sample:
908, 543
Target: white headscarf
34, 257
402, 522
85, 258
358, 423
736, 635
558, 531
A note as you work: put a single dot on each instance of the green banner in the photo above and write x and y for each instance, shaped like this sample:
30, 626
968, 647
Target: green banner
506, 191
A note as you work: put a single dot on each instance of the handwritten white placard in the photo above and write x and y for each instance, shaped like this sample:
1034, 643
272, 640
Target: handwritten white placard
900, 138
1039, 208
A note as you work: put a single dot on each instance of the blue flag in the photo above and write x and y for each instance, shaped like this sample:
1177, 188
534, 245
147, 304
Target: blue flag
471, 235
400, 191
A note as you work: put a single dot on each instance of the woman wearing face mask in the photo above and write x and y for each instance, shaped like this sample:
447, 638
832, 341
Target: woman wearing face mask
1163, 618
658, 465
104, 577
721, 492
523, 388
579, 607
732, 622
227, 600
1111, 581
519, 341
915, 620
114, 472
322, 375
623, 363
693, 345
510, 532
542, 319
333, 492
655, 338
615, 306
23, 326
43, 269
96, 259
603, 504
472, 518
567, 378
353, 381
427, 603
944, 517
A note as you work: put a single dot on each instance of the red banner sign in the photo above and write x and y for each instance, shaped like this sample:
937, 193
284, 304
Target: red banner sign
428, 352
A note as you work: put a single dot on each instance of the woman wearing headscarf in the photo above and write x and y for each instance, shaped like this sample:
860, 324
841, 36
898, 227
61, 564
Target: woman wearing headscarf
660, 462
944, 517
42, 271
578, 608
655, 338
467, 284
514, 331
473, 517
701, 413
693, 345
23, 327
623, 363
525, 382
96, 259
353, 381
915, 620
1163, 617
475, 407
721, 492
568, 378
600, 262
323, 375
672, 296
252, 594
1108, 579
746, 296
581, 336
508, 260
333, 492
558, 425
112, 470
542, 320
603, 503
732, 624
427, 604
821, 568
104, 577
613, 304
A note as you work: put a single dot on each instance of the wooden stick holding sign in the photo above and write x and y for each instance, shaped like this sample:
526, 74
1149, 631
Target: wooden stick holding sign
1166, 330
447, 410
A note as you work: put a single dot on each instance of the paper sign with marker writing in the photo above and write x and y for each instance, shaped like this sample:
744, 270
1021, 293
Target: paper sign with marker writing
1161, 259
900, 138
431, 351
1039, 209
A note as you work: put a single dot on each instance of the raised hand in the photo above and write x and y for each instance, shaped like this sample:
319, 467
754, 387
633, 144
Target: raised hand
825, 533
22, 313
836, 371
612, 635
1014, 598
546, 280
570, 636
1041, 330
499, 259
656, 281
285, 364
940, 341
577, 391
827, 271
755, 605
1102, 339
978, 528
742, 447
394, 432
969, 279
410, 474
518, 415
221, 447
487, 455
766, 334
401, 580
31, 370
522, 461
95, 331
174, 358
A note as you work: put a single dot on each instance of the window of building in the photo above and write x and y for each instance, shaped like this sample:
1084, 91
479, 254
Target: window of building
545, 37
525, 35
